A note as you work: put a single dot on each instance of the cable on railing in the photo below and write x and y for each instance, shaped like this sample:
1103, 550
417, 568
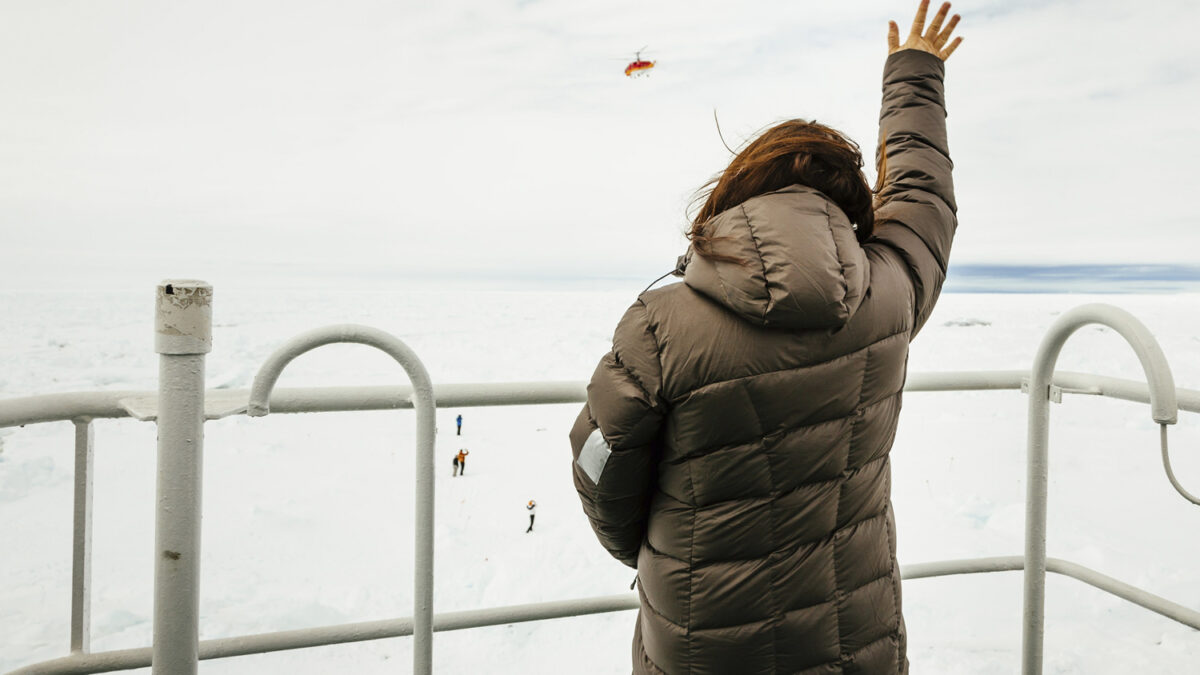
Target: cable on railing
1171, 474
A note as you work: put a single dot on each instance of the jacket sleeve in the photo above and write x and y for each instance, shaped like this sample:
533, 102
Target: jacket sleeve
616, 440
916, 217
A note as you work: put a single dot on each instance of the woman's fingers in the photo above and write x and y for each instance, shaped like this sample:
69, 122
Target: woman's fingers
936, 24
918, 25
930, 40
945, 53
945, 34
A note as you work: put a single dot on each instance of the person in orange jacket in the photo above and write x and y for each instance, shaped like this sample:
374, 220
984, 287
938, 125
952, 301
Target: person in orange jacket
462, 460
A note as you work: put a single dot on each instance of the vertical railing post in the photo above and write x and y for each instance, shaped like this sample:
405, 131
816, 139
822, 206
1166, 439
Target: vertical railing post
1036, 490
183, 335
81, 547
423, 401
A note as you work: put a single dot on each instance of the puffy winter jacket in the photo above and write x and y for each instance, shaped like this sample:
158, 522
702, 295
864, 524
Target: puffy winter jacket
734, 446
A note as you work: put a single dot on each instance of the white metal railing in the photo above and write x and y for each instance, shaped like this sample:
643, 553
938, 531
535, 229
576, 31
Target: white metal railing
176, 646
423, 401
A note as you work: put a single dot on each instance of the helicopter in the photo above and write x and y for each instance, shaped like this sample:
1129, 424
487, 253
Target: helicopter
639, 67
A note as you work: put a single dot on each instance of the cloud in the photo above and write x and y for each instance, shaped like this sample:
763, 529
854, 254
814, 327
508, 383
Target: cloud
472, 135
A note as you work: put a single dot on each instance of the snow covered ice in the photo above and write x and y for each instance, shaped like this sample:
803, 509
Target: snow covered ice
308, 518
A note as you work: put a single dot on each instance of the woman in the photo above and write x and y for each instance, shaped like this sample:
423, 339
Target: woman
734, 446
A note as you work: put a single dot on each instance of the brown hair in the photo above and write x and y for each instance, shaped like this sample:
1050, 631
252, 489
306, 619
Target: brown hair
789, 153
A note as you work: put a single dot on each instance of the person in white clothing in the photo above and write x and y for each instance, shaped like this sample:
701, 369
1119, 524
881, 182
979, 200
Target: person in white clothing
531, 507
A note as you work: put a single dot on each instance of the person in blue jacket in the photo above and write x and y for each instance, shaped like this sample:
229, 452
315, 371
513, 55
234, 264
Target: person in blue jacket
459, 422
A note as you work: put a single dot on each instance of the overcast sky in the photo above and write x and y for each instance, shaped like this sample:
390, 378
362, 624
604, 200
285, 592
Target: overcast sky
146, 139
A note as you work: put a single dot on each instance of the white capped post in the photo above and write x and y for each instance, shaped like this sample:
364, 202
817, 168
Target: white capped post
183, 335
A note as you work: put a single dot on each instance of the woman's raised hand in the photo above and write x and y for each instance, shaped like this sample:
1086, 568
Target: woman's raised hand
933, 39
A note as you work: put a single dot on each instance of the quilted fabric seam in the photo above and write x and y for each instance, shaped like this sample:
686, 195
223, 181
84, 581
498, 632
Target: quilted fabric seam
881, 638
795, 545
838, 594
838, 253
751, 622
856, 523
646, 604
841, 594
762, 263
654, 339
657, 668
894, 220
721, 282
784, 431
746, 498
853, 472
870, 581
895, 591
674, 498
727, 561
783, 551
691, 590
664, 554
634, 377
776, 607
889, 336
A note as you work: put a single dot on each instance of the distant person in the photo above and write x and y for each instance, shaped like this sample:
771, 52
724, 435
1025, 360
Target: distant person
461, 458
734, 447
456, 464
531, 507
458, 422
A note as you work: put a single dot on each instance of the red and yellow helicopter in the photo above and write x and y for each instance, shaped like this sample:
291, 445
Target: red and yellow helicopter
638, 66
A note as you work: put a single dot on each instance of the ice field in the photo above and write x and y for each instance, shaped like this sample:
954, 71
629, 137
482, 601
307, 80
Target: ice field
308, 518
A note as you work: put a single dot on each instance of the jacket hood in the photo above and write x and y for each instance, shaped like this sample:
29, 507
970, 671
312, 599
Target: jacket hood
805, 268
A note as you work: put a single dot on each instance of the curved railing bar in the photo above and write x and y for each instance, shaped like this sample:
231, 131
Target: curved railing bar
1163, 408
320, 636
423, 401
